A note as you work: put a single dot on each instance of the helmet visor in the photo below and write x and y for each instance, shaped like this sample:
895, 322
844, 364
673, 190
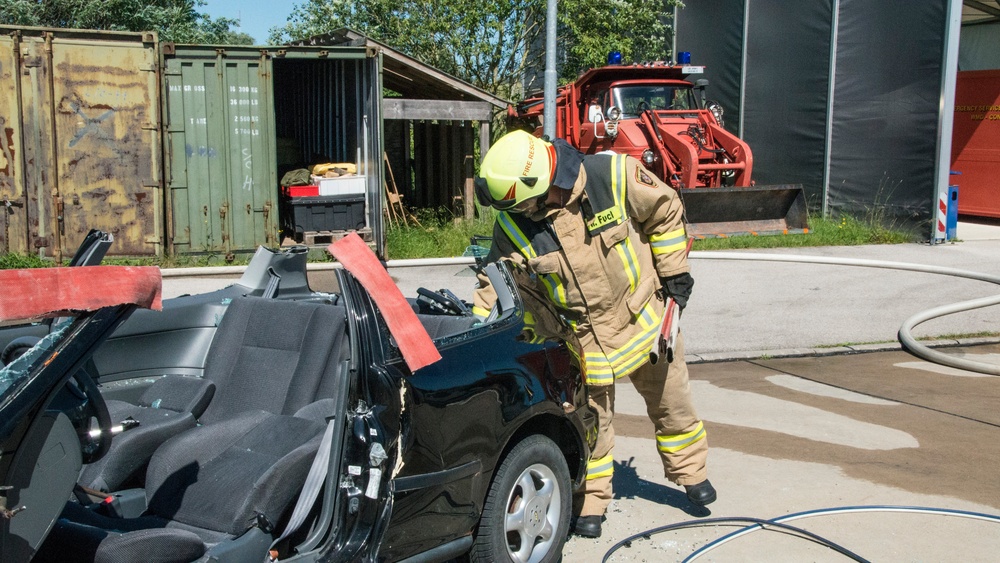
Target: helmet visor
485, 196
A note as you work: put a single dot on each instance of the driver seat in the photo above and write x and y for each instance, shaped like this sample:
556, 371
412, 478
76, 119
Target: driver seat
226, 485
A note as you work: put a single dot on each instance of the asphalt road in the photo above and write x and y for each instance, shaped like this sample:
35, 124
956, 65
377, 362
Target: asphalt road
820, 428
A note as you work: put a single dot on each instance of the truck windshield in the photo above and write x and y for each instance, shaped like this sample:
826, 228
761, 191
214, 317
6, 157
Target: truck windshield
633, 99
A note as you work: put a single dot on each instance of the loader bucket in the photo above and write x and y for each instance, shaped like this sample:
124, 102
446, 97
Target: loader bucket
752, 210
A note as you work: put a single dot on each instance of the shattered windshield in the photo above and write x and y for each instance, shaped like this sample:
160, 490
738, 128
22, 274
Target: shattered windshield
16, 372
634, 99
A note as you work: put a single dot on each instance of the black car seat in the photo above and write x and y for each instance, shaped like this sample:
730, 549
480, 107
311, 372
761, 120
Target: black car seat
278, 370
226, 483
267, 354
169, 407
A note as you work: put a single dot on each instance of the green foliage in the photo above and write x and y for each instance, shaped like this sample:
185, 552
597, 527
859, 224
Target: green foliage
481, 41
438, 236
846, 231
590, 29
441, 236
490, 43
173, 20
20, 261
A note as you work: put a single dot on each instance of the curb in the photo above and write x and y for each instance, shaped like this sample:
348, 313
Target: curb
736, 356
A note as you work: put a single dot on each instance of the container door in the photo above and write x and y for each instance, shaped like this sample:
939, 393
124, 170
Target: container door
13, 213
107, 128
88, 107
223, 185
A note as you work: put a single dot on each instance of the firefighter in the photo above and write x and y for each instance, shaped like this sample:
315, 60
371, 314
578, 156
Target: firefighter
593, 239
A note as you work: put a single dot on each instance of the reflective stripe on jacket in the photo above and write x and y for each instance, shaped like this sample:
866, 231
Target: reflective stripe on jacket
590, 269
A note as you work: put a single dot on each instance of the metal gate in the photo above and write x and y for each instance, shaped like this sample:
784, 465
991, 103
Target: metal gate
80, 141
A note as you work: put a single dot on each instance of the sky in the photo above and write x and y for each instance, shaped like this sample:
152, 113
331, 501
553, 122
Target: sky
256, 16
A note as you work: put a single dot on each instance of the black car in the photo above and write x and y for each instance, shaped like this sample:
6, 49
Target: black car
270, 420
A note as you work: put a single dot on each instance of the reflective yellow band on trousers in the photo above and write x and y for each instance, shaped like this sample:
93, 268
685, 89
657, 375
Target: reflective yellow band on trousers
604, 467
678, 442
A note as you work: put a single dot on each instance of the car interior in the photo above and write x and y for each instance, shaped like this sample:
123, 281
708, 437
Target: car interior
221, 401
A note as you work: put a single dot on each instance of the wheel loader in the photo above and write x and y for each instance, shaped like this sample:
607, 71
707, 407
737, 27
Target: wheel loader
654, 113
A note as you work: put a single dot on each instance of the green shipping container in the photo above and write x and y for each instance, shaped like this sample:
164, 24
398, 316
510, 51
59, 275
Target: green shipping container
238, 118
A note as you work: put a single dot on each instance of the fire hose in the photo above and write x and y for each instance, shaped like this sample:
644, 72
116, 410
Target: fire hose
905, 331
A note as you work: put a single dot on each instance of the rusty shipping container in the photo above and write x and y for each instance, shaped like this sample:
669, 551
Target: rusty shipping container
238, 118
177, 148
81, 145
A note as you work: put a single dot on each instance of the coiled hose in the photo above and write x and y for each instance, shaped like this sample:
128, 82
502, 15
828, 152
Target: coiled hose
905, 335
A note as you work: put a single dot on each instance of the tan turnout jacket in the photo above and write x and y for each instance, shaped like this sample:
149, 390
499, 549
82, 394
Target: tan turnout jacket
589, 271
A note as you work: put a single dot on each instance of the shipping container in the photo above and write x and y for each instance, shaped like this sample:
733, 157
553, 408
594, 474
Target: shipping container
238, 118
81, 145
176, 148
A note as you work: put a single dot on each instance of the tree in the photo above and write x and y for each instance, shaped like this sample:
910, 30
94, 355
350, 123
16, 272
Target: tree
493, 44
173, 20
481, 41
590, 29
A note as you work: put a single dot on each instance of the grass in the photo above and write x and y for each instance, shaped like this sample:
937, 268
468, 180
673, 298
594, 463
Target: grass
440, 235
845, 231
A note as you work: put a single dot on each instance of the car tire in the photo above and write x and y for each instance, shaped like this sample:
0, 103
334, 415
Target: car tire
527, 510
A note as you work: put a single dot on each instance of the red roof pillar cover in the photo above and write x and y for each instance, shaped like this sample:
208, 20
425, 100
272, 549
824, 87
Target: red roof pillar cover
49, 292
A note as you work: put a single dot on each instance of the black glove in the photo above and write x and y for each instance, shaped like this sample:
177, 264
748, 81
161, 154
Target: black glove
679, 287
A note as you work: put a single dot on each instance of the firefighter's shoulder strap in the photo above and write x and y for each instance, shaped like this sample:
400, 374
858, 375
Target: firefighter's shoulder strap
531, 238
605, 190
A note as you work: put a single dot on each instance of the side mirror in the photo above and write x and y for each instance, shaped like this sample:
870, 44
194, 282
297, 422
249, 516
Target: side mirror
594, 114
700, 85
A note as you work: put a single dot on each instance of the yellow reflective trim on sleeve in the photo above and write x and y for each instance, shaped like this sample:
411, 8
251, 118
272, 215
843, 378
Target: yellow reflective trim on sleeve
603, 467
678, 442
480, 313
669, 242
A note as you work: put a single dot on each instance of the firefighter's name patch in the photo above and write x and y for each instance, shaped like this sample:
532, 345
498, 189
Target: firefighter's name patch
602, 218
643, 178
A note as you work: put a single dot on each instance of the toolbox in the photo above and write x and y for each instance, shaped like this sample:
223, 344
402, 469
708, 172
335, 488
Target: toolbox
326, 213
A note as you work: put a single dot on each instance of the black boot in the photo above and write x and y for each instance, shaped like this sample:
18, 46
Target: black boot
701, 494
588, 526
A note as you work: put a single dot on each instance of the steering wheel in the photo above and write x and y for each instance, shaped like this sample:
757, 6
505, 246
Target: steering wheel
97, 447
445, 301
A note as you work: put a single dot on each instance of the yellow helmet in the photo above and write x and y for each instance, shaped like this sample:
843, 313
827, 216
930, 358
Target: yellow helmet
518, 167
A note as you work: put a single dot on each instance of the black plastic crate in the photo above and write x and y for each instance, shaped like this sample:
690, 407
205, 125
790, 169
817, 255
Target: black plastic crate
326, 213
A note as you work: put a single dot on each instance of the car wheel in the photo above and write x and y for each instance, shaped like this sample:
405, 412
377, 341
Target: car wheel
527, 510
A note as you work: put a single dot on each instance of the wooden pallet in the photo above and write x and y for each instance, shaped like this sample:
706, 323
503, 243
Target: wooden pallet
315, 238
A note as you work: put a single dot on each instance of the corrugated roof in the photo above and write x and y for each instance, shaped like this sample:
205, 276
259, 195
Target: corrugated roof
407, 75
980, 11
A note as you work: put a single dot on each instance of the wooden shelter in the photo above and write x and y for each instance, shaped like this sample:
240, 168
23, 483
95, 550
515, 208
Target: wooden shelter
430, 129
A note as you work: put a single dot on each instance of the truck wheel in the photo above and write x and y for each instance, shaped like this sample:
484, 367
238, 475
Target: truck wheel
527, 510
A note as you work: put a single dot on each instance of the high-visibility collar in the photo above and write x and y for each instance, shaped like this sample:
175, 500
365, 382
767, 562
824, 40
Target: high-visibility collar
605, 188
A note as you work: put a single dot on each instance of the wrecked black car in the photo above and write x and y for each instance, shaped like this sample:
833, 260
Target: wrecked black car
268, 421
